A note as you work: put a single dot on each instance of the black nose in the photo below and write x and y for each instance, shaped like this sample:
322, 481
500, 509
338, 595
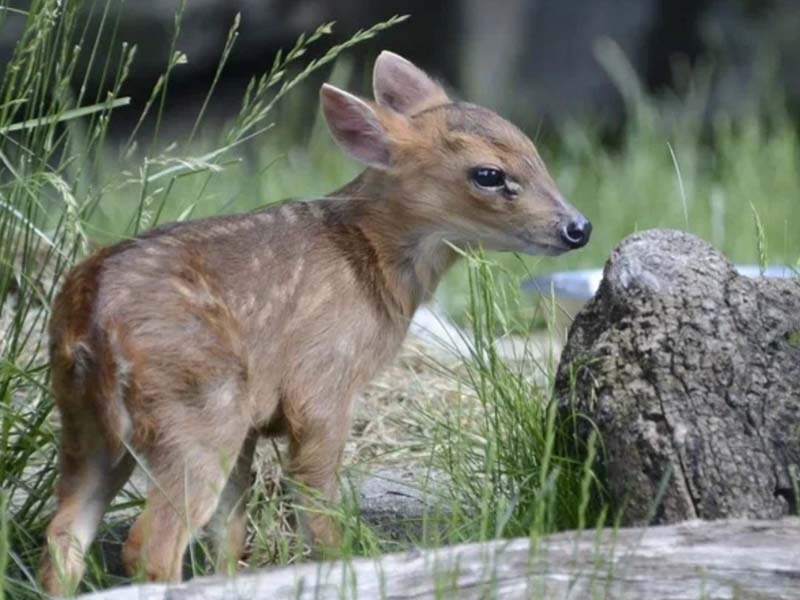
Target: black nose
576, 233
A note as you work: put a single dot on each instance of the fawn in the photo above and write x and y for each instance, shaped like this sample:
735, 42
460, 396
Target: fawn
181, 347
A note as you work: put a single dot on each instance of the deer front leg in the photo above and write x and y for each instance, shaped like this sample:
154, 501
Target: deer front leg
315, 452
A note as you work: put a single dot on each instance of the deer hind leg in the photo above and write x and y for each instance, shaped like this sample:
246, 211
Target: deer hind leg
89, 479
228, 526
188, 477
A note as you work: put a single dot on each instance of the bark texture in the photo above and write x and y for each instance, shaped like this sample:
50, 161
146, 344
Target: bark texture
691, 373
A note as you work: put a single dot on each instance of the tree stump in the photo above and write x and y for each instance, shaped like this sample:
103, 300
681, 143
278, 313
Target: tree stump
691, 374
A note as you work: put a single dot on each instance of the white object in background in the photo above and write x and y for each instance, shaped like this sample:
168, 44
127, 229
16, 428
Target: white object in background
582, 284
449, 341
431, 326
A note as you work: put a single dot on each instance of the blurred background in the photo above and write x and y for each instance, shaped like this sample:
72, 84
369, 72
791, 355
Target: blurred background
649, 113
539, 61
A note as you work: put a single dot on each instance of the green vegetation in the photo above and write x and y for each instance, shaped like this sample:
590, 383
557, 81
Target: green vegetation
513, 465
65, 187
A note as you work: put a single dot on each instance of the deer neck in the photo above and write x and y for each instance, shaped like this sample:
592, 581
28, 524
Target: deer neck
411, 256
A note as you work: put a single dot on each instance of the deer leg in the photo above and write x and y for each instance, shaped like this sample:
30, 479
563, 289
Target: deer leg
188, 481
228, 526
315, 452
89, 479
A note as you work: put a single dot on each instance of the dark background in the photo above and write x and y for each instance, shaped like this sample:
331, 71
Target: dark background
534, 60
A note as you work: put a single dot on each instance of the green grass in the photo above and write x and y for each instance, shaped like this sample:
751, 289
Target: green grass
512, 467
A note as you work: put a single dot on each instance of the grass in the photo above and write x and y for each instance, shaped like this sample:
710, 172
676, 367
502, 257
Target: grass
510, 469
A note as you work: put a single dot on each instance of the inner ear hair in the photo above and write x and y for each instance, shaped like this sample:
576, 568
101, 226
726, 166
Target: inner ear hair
355, 126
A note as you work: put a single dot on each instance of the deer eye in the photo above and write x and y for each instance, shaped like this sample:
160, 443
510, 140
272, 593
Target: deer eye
488, 177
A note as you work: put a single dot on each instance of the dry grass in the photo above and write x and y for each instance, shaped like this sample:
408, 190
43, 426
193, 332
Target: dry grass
381, 431
382, 435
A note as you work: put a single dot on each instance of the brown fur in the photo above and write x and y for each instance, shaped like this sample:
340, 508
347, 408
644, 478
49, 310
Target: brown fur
183, 346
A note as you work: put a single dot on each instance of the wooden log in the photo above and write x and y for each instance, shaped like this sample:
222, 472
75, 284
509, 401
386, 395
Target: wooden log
712, 560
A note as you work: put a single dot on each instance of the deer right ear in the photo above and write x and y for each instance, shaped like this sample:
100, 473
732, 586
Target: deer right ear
400, 85
355, 127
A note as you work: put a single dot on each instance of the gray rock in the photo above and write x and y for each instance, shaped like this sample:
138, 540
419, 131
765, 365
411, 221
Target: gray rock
691, 373
398, 501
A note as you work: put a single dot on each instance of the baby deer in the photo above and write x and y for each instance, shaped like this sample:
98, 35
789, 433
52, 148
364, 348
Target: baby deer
186, 344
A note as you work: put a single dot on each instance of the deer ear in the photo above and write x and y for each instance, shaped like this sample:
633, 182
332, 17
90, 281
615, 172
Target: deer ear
355, 127
400, 85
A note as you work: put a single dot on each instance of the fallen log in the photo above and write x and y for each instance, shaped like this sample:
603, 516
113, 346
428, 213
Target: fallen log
714, 560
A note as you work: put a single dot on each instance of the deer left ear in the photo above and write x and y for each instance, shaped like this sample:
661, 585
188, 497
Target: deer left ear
400, 85
355, 127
